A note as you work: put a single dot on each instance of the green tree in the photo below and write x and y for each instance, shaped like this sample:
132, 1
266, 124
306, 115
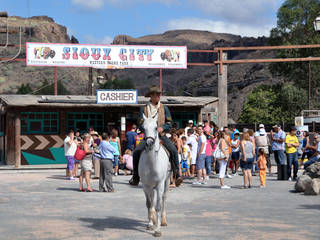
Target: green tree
273, 104
24, 89
47, 88
118, 84
295, 27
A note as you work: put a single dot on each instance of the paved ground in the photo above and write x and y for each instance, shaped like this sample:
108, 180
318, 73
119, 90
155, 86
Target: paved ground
43, 205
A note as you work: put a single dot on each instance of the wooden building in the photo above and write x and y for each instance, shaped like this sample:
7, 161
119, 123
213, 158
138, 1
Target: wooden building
32, 128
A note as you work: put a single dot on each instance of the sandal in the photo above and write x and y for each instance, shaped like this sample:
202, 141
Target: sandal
89, 190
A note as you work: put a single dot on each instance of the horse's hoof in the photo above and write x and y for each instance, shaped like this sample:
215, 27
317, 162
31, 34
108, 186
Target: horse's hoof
149, 227
164, 224
157, 234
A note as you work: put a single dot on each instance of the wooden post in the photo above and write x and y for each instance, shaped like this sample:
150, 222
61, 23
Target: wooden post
314, 126
55, 81
17, 141
122, 131
223, 92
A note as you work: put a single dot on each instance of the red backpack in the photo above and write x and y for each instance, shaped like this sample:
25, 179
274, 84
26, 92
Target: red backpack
80, 154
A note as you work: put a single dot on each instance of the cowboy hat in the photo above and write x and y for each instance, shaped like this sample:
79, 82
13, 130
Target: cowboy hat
153, 89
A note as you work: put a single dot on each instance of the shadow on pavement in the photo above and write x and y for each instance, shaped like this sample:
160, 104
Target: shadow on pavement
115, 223
312, 206
67, 189
61, 177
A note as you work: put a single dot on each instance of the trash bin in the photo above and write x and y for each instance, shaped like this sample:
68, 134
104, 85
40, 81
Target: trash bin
282, 172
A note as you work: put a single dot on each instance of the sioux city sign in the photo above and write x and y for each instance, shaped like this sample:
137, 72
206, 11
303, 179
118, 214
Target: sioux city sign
105, 56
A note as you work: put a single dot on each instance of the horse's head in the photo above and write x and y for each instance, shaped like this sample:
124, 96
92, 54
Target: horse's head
150, 126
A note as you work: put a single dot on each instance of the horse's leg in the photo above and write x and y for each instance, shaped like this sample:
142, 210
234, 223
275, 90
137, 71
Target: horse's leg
164, 197
149, 203
160, 189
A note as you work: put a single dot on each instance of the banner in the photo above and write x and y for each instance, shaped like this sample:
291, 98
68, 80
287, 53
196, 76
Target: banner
117, 96
105, 56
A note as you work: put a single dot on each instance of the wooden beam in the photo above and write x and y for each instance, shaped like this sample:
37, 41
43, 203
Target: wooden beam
269, 60
267, 47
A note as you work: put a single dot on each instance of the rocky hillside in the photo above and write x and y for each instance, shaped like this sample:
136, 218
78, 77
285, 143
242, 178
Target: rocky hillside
35, 29
203, 81
195, 81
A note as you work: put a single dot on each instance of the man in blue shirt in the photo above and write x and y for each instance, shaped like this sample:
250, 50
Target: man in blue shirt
106, 164
278, 144
131, 138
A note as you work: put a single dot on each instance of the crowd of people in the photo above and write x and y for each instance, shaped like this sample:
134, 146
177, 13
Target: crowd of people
203, 151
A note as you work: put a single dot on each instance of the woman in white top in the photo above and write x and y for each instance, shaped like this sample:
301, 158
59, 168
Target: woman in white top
224, 148
235, 155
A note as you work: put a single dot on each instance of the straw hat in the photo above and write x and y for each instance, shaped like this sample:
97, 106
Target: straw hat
153, 89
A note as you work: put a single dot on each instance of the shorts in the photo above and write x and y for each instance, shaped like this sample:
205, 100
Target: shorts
246, 165
184, 164
235, 155
116, 161
200, 163
86, 165
70, 162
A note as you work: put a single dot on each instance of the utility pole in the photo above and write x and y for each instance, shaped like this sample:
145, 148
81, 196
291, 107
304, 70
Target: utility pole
309, 87
90, 82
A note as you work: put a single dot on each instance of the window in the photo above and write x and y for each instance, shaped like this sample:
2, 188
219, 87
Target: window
83, 120
182, 118
39, 123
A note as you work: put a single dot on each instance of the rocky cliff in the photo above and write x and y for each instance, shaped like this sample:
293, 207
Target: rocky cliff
194, 81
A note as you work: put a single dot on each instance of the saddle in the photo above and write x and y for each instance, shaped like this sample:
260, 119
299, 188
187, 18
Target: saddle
165, 149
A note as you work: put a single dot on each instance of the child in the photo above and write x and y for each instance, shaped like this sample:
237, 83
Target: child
185, 157
126, 162
262, 164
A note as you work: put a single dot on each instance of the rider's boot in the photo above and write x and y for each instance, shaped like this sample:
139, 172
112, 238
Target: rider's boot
134, 181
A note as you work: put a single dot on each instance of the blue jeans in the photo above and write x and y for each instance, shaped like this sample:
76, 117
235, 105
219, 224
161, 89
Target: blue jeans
311, 161
208, 164
292, 158
116, 161
279, 156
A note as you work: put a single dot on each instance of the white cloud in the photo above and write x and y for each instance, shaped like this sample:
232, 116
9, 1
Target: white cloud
98, 4
89, 4
244, 11
89, 39
220, 27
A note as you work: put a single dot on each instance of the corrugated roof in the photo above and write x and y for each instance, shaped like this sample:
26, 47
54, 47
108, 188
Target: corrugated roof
83, 101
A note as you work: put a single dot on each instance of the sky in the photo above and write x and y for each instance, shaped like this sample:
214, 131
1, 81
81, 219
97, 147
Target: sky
99, 21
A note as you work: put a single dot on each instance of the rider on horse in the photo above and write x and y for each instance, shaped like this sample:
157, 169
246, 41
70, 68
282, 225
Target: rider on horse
152, 109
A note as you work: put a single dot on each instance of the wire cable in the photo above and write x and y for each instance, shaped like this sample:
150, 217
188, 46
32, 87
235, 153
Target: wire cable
8, 60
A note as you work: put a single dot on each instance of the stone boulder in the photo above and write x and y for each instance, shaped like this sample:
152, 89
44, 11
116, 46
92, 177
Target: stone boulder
301, 183
314, 170
313, 187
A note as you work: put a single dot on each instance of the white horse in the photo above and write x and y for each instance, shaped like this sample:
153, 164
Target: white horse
154, 171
